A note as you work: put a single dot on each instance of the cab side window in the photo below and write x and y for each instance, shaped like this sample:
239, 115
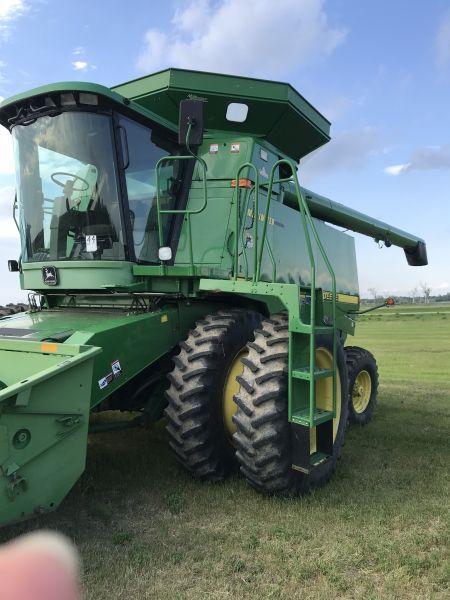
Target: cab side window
141, 156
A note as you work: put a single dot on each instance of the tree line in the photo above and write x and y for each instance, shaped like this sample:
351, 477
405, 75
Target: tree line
420, 294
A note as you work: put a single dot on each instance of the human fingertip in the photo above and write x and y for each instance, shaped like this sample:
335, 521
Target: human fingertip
53, 544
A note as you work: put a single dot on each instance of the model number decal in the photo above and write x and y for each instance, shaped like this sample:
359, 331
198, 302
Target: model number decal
261, 217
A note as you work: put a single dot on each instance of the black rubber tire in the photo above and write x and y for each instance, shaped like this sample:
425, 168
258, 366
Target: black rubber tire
12, 309
197, 433
359, 359
263, 432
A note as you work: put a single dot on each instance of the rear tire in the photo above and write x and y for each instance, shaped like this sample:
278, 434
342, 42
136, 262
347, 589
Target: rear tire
263, 432
203, 373
362, 384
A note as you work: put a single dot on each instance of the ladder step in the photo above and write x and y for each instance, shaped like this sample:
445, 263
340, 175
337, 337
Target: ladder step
301, 417
318, 458
305, 328
304, 373
323, 329
315, 460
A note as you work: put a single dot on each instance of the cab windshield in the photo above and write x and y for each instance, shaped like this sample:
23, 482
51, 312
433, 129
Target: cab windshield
67, 189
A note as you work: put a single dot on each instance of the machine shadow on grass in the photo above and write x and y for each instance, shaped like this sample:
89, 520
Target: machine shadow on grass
122, 475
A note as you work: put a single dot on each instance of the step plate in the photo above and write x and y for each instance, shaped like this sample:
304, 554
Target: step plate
302, 459
301, 417
305, 374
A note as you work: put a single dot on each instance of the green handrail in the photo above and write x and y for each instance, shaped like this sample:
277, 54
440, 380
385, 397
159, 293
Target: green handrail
306, 220
187, 212
246, 165
249, 165
333, 284
242, 234
244, 249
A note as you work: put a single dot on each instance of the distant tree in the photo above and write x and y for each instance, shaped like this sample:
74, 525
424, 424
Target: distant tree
373, 292
426, 291
414, 294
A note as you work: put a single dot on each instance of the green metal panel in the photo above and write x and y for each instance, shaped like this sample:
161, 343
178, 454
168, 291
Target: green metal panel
223, 164
80, 86
135, 340
276, 112
79, 275
338, 214
43, 434
209, 241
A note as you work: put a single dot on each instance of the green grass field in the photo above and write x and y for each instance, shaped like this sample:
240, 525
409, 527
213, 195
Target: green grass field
378, 530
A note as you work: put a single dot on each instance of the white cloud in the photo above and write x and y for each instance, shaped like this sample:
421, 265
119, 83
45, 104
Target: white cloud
80, 62
8, 229
348, 150
10, 10
6, 200
443, 42
10, 289
424, 159
9, 248
6, 152
396, 169
336, 107
79, 65
234, 37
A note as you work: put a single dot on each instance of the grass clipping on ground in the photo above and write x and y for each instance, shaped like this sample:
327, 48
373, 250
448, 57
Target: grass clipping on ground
145, 529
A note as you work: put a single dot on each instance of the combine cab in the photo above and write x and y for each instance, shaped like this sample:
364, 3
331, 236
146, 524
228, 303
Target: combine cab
177, 267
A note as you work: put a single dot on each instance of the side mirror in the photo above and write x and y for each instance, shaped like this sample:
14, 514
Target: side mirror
389, 301
191, 113
13, 266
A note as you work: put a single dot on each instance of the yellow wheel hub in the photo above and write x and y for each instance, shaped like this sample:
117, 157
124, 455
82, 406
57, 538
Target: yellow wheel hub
230, 388
324, 393
362, 390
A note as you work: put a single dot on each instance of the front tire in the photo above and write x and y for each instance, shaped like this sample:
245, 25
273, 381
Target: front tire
363, 384
200, 396
262, 438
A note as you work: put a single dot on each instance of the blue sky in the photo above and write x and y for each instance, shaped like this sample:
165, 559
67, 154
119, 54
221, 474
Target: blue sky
380, 71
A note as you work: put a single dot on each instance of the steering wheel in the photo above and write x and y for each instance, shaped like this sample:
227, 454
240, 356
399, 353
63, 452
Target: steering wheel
75, 178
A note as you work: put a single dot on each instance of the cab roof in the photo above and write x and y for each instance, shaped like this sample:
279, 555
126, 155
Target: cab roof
276, 111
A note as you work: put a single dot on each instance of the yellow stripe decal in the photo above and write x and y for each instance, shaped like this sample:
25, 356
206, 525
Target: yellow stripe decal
345, 298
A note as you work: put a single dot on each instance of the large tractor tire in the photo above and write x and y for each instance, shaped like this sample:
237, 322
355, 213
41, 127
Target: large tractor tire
362, 384
202, 386
262, 438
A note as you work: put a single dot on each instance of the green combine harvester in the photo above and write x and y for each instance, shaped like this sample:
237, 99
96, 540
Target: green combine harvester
179, 269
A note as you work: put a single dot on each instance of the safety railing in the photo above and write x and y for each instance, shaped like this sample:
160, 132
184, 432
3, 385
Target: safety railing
241, 227
308, 225
261, 242
188, 212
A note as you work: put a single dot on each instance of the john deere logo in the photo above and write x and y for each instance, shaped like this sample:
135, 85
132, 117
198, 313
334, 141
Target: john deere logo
49, 275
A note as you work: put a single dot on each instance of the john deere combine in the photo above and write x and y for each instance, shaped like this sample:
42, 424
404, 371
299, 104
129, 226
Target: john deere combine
177, 266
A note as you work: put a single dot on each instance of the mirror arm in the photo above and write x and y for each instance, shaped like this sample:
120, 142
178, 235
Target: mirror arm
387, 302
15, 206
